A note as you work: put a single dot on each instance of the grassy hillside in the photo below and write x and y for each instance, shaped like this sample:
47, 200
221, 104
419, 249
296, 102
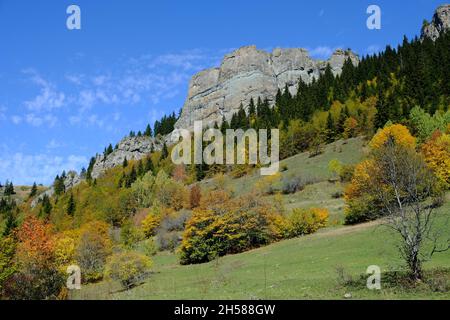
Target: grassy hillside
302, 268
325, 265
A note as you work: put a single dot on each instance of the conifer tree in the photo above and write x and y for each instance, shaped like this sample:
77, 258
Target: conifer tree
148, 131
149, 165
46, 207
71, 206
164, 152
58, 185
33, 191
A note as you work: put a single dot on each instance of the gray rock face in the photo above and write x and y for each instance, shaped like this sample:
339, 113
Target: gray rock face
72, 179
249, 72
439, 24
132, 148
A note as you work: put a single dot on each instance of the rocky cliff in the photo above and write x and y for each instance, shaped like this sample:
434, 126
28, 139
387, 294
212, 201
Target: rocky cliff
249, 72
132, 148
439, 24
244, 73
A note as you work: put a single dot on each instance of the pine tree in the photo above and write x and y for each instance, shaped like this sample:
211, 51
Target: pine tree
164, 152
10, 223
33, 191
224, 125
83, 173
108, 150
148, 131
58, 185
131, 178
140, 168
251, 107
149, 165
341, 122
9, 189
125, 163
71, 206
330, 131
46, 208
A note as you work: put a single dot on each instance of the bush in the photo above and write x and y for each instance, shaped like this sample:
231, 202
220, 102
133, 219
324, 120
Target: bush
346, 173
150, 223
129, 268
169, 233
7, 266
166, 240
222, 225
149, 247
92, 251
195, 196
295, 184
291, 185
307, 221
130, 235
361, 209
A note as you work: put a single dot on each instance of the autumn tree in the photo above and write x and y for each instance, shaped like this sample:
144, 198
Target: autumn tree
195, 196
404, 188
38, 277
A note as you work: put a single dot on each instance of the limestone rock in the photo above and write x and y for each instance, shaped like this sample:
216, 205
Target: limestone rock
132, 148
72, 179
439, 24
249, 72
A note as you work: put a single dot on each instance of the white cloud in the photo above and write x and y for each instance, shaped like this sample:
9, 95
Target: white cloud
48, 98
37, 121
16, 119
76, 79
25, 169
53, 144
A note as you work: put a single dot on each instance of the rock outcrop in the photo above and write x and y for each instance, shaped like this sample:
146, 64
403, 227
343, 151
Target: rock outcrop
132, 148
213, 93
439, 24
71, 180
249, 72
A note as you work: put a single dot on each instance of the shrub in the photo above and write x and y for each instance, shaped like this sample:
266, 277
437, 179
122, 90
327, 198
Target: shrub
7, 266
129, 268
437, 156
222, 225
130, 235
291, 185
149, 247
169, 233
150, 223
360, 209
65, 248
295, 184
195, 196
168, 240
92, 251
170, 193
346, 173
337, 195
307, 221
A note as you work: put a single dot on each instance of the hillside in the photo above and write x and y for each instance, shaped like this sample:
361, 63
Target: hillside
312, 267
365, 144
317, 266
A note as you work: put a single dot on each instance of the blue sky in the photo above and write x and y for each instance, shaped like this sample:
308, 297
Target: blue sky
65, 95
